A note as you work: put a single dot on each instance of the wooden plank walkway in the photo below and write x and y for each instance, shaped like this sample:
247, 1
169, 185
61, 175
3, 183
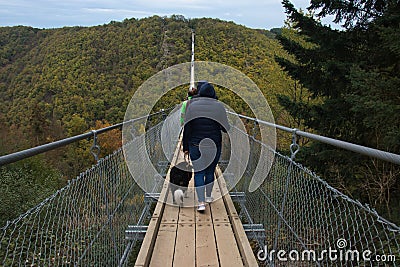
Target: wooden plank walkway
181, 236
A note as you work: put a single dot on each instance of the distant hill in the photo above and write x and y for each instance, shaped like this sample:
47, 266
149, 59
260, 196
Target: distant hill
59, 82
56, 83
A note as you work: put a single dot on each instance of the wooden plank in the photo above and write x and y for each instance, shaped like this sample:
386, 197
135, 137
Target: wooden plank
160, 203
144, 256
147, 247
222, 186
187, 213
170, 214
206, 249
204, 217
164, 247
185, 255
218, 210
190, 198
227, 248
245, 249
148, 244
185, 246
216, 193
228, 252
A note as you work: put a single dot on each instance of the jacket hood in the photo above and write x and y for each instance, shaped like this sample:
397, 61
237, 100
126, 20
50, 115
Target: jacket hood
207, 90
200, 84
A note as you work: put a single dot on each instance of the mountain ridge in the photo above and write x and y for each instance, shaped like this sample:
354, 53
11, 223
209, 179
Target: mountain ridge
58, 78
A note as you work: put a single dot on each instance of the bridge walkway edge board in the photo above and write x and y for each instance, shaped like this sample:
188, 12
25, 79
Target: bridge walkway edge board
180, 236
248, 257
147, 247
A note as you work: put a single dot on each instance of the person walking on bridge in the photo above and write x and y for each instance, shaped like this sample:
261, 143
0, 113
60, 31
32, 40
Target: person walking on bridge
205, 120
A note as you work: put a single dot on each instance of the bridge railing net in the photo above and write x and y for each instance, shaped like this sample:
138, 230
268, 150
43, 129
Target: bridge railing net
84, 223
304, 215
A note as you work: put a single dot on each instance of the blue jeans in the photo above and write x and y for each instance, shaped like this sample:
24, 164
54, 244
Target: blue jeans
203, 172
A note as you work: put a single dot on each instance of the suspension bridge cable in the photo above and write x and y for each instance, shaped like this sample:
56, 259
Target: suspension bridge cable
20, 155
192, 64
317, 216
84, 223
372, 152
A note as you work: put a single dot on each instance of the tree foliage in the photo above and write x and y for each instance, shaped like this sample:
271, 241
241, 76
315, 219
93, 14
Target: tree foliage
56, 83
24, 185
354, 73
71, 77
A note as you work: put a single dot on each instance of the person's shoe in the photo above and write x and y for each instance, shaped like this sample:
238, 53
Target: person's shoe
209, 199
201, 207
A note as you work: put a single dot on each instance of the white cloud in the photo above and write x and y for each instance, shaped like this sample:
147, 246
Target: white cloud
57, 13
116, 11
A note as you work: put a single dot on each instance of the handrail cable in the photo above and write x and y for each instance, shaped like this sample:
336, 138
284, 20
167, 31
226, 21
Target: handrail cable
372, 152
30, 152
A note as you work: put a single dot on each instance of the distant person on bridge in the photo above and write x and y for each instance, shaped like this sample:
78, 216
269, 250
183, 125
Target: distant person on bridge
193, 92
202, 139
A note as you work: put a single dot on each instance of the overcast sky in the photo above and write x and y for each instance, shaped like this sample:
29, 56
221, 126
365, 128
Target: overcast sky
262, 14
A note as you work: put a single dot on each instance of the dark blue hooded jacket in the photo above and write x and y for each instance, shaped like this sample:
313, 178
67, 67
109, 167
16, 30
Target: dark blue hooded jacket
205, 118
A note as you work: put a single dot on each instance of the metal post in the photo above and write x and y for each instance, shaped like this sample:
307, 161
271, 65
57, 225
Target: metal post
192, 64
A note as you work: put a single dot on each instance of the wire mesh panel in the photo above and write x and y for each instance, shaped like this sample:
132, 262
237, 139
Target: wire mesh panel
309, 223
306, 222
81, 224
84, 223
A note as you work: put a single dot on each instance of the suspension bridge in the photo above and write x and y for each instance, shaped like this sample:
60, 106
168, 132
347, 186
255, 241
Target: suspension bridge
104, 218
116, 213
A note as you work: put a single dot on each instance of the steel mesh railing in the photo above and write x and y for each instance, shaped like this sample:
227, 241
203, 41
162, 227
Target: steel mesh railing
84, 223
306, 219
80, 224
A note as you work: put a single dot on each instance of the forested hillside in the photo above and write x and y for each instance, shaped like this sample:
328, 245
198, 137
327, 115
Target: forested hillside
56, 83
59, 82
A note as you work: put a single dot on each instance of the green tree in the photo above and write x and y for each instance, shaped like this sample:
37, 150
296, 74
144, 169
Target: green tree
56, 83
24, 185
357, 82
